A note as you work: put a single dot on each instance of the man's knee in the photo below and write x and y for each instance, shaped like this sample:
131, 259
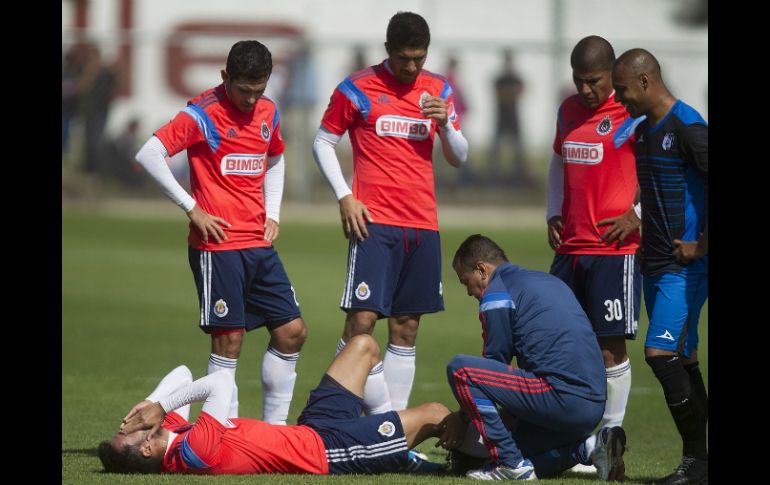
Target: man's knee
670, 372
458, 362
402, 330
227, 344
359, 322
365, 345
289, 337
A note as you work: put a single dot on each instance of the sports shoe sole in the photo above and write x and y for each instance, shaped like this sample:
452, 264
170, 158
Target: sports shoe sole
617, 446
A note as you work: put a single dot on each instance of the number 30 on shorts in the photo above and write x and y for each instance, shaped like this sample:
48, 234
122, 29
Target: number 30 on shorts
614, 310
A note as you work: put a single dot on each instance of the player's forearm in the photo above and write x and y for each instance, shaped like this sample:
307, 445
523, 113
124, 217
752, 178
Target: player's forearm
173, 381
273, 188
216, 389
152, 156
326, 158
555, 196
453, 145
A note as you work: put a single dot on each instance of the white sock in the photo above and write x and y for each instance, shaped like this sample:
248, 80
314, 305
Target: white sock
217, 362
399, 364
376, 396
618, 389
278, 378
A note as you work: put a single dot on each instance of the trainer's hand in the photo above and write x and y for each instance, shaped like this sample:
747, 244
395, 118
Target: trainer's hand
454, 431
208, 224
271, 230
435, 108
354, 215
149, 416
555, 226
621, 226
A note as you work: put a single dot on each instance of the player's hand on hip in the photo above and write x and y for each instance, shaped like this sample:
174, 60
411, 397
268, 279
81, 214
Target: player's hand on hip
435, 108
208, 224
148, 417
620, 226
555, 226
685, 252
271, 230
354, 215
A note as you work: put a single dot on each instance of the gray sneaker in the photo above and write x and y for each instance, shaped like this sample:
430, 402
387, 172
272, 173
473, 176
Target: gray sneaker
607, 457
492, 471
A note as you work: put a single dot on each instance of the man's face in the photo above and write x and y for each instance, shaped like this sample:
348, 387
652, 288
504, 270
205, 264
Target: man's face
473, 280
244, 93
628, 90
139, 439
406, 63
593, 87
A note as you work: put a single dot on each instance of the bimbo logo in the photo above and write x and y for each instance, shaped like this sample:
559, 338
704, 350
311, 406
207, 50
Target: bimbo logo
243, 164
403, 127
583, 153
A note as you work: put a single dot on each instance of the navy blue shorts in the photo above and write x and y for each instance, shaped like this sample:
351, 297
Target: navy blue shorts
354, 444
609, 288
394, 271
242, 288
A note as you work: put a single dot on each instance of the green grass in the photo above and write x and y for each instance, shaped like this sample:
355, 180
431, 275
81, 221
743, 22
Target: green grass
129, 315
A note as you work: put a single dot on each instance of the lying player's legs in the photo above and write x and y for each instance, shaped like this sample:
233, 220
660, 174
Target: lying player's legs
351, 366
423, 422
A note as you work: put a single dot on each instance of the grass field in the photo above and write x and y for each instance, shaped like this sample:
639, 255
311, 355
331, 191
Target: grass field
129, 315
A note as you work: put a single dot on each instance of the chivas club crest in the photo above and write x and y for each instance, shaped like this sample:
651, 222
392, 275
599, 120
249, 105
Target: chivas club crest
604, 126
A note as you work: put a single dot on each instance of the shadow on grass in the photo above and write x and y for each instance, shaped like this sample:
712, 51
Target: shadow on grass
80, 451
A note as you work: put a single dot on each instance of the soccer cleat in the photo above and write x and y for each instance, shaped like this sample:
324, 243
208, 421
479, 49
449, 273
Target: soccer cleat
607, 457
459, 463
691, 471
493, 471
418, 463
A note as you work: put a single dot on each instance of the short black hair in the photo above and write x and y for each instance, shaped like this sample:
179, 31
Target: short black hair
126, 460
592, 53
477, 248
639, 61
407, 30
249, 59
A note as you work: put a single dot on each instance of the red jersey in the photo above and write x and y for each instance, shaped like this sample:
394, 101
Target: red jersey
392, 142
599, 179
251, 446
228, 152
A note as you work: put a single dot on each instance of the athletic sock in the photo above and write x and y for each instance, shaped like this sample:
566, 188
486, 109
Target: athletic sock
216, 363
618, 389
278, 378
678, 393
399, 365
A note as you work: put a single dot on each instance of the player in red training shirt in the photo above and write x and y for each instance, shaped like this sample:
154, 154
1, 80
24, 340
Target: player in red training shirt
592, 185
233, 141
392, 111
331, 436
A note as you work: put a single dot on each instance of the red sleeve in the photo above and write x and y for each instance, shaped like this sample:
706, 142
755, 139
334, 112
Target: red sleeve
173, 421
340, 113
179, 134
200, 448
276, 146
